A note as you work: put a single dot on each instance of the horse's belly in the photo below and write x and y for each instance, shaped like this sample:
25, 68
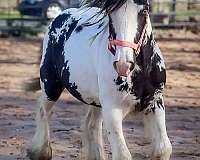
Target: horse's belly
86, 85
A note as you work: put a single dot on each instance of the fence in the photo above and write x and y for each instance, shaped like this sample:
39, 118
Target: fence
12, 22
164, 14
175, 13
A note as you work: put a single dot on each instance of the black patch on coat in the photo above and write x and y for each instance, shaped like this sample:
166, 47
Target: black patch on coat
50, 71
150, 79
124, 87
112, 35
118, 81
55, 72
158, 76
53, 86
123, 84
79, 29
59, 22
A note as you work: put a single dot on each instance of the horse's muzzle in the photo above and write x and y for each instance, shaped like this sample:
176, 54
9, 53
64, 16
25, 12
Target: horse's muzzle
123, 68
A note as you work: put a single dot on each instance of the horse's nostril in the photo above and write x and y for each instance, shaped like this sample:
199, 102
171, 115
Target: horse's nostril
114, 65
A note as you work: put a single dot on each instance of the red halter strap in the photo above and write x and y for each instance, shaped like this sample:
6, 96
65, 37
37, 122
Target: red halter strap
135, 46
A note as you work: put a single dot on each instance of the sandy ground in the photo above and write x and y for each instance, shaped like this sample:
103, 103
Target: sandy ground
18, 64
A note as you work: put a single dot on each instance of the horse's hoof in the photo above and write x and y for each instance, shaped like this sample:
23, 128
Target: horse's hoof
44, 154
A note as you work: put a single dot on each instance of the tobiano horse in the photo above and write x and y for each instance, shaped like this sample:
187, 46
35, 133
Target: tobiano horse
105, 55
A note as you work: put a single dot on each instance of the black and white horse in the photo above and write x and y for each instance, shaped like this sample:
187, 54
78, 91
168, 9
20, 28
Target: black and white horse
107, 58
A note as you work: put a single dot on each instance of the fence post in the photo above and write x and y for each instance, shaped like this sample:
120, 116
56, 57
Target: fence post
173, 18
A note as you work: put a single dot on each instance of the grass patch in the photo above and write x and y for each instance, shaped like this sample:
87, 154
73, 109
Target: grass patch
188, 13
10, 14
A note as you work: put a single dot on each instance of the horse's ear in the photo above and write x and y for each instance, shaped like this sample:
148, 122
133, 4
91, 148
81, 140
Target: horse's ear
154, 62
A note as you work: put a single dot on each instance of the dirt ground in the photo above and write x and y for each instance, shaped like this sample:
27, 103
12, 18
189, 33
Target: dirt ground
18, 64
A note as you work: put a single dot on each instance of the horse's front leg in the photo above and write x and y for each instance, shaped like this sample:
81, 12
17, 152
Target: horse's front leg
92, 135
40, 148
155, 129
112, 118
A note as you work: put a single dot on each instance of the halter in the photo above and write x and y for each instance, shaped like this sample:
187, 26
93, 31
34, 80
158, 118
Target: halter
135, 46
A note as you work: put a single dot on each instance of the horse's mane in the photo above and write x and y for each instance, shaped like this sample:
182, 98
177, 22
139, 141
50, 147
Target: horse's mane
107, 6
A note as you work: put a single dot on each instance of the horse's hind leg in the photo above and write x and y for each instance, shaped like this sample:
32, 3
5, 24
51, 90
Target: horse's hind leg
155, 129
40, 148
92, 138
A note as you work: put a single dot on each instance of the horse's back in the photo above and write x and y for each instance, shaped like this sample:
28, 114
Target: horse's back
69, 57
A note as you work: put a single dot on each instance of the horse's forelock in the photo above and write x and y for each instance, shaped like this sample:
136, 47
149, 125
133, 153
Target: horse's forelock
107, 6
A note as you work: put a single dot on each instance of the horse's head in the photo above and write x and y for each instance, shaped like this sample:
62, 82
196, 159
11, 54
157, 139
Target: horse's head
125, 20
